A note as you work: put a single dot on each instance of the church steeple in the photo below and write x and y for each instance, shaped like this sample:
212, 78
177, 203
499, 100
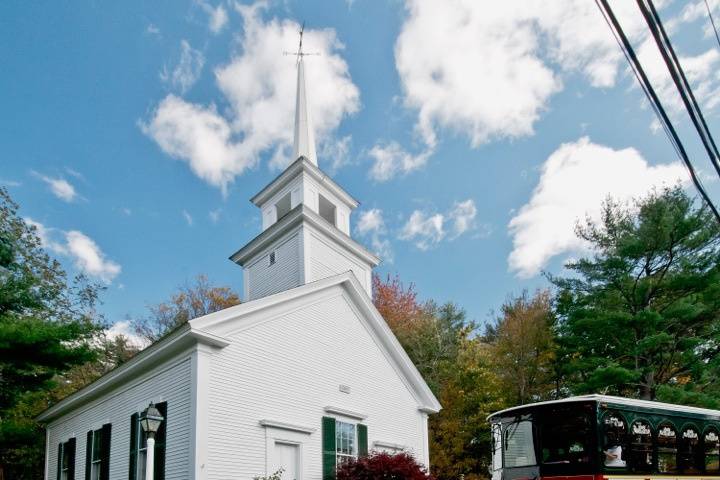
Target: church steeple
304, 142
305, 221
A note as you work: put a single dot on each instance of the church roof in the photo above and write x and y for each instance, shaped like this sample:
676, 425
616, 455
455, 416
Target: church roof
207, 330
291, 172
295, 217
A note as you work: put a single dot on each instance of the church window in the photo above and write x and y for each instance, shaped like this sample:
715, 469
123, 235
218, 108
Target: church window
345, 441
282, 207
326, 209
66, 460
97, 453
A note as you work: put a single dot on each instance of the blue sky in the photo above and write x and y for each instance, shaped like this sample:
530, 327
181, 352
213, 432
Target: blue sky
474, 136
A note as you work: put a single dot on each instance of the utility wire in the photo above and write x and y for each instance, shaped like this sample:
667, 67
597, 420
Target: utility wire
712, 22
653, 98
681, 83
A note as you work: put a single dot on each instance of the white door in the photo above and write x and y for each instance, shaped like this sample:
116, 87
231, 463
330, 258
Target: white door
287, 457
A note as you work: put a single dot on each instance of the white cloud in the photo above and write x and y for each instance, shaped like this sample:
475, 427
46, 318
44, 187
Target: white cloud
371, 224
188, 218
214, 215
89, 258
391, 160
85, 253
520, 51
217, 16
575, 181
462, 217
59, 187
188, 69
259, 84
428, 229
152, 29
425, 229
124, 328
9, 183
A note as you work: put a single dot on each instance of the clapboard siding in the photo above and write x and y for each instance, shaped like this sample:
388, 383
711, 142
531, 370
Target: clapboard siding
169, 383
288, 369
265, 279
327, 260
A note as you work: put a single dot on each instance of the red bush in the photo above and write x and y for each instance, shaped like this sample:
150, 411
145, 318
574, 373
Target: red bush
383, 466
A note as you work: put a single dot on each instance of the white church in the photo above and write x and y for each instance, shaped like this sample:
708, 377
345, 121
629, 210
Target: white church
302, 376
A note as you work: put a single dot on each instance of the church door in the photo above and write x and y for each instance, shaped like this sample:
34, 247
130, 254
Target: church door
287, 457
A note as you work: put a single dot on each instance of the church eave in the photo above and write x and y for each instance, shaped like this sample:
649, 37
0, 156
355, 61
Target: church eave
291, 172
177, 342
298, 215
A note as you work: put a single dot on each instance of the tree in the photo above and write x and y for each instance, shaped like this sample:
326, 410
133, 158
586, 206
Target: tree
523, 347
191, 300
640, 316
460, 433
383, 466
47, 326
442, 344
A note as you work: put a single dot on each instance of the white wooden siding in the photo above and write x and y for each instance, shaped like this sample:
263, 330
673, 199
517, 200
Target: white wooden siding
169, 383
287, 369
264, 279
327, 260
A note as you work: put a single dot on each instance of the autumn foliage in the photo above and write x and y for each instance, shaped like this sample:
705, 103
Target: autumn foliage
383, 466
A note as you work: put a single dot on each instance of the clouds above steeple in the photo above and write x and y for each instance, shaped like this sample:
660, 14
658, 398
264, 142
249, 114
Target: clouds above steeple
259, 86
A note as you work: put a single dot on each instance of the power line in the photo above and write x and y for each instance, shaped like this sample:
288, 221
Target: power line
681, 83
712, 22
653, 99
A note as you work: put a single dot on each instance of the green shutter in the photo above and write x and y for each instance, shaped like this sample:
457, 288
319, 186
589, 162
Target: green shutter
362, 440
160, 442
71, 447
328, 448
59, 461
105, 452
88, 454
132, 473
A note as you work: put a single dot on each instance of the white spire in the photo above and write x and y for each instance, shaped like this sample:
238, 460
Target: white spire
304, 144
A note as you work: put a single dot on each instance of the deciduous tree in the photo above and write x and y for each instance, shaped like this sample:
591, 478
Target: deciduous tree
190, 301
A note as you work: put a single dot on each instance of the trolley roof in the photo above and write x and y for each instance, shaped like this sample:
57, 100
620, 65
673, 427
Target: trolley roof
615, 401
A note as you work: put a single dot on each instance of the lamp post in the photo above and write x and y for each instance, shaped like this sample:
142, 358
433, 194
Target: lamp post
150, 420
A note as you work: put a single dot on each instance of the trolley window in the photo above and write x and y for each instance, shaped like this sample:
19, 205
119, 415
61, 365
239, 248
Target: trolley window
689, 458
640, 457
711, 441
667, 448
566, 441
519, 445
496, 446
614, 440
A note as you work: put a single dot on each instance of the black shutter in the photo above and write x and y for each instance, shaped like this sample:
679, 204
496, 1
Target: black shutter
88, 454
160, 443
132, 474
328, 448
362, 440
105, 452
59, 461
71, 447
